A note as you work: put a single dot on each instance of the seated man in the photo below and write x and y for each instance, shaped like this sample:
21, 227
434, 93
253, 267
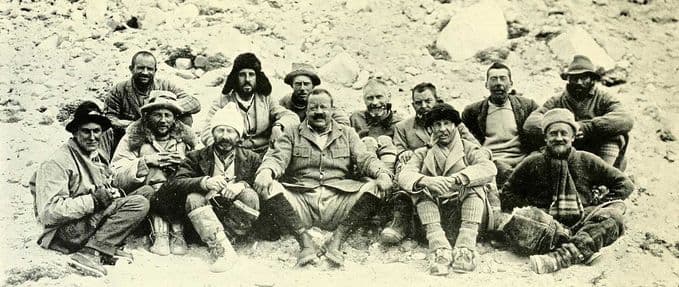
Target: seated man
603, 124
148, 155
571, 200
75, 203
497, 121
312, 164
212, 184
455, 171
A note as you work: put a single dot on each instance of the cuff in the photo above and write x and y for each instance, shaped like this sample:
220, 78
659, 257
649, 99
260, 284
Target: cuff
203, 183
142, 169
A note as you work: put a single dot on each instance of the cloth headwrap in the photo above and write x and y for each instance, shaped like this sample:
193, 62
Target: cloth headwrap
227, 116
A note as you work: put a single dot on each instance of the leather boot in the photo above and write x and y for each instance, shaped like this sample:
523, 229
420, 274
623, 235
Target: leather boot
160, 236
177, 242
400, 224
307, 250
88, 262
562, 257
211, 231
288, 219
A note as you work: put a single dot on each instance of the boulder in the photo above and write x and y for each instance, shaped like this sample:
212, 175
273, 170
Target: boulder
200, 61
342, 69
576, 41
461, 37
95, 10
182, 63
361, 80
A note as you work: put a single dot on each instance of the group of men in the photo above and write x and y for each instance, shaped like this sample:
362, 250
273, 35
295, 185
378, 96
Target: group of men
300, 163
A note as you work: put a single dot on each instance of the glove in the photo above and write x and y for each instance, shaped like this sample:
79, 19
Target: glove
102, 198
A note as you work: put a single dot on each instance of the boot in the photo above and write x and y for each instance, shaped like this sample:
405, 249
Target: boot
211, 231
464, 253
288, 219
440, 261
399, 226
177, 242
562, 257
88, 262
307, 251
159, 236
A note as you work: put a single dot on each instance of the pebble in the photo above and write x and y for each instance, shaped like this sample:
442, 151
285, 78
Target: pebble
182, 63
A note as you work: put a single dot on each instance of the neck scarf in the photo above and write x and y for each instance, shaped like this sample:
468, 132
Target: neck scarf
566, 206
98, 169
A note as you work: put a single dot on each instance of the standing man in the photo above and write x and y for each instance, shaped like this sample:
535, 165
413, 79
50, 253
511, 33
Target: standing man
149, 154
565, 201
302, 80
497, 121
75, 203
311, 165
249, 88
123, 103
453, 179
602, 123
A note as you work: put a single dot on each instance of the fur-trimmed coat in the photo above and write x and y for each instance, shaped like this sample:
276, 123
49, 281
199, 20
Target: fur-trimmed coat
130, 171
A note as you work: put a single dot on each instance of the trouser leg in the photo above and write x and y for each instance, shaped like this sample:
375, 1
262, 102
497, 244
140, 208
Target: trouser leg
125, 214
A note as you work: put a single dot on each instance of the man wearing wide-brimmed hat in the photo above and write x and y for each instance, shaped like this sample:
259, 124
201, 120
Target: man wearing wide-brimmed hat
149, 154
249, 88
603, 123
75, 203
302, 80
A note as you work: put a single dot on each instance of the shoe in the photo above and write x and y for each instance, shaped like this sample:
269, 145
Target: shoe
177, 242
211, 231
395, 231
464, 260
307, 251
160, 236
88, 263
332, 246
440, 261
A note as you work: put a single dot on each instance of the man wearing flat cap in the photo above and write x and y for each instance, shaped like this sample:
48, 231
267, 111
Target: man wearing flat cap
75, 203
148, 155
566, 203
603, 124
248, 87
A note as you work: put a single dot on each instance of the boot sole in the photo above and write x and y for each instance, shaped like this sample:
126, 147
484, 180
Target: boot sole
86, 270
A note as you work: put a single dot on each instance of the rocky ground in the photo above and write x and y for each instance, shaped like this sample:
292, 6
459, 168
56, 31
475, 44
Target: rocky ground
57, 53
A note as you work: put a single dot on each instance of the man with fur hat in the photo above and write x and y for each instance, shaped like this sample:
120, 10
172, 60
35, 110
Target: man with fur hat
123, 103
248, 87
302, 80
453, 180
75, 203
603, 124
213, 185
565, 201
311, 165
149, 154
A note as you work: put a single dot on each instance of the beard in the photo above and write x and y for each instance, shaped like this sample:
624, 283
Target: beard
377, 109
579, 91
160, 130
559, 150
246, 91
224, 145
498, 95
142, 80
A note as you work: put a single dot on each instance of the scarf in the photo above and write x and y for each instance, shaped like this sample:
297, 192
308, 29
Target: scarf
383, 120
566, 206
97, 169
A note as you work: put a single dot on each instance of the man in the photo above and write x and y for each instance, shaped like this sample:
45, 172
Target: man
123, 103
213, 185
453, 171
603, 124
311, 164
497, 121
249, 88
302, 80
572, 200
149, 154
409, 135
378, 119
75, 203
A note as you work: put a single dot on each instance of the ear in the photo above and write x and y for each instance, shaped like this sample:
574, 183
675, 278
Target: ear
131, 68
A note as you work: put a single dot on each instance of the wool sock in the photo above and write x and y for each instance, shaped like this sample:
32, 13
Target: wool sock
431, 219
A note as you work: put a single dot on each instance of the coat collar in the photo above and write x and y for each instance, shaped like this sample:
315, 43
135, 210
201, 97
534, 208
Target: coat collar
516, 109
206, 160
420, 131
139, 135
454, 155
336, 131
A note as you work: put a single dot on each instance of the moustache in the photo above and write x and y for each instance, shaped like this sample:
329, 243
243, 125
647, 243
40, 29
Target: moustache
318, 116
376, 106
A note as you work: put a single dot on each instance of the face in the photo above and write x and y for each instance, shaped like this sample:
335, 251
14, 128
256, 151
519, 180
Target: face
225, 137
423, 101
301, 87
499, 84
143, 70
247, 79
161, 121
318, 111
559, 137
376, 99
580, 84
88, 136
443, 132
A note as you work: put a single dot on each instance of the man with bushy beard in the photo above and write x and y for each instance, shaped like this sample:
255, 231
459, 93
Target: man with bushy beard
566, 203
603, 124
248, 87
302, 80
497, 121
148, 155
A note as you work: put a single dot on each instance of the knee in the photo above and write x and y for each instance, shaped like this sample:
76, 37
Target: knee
249, 197
194, 201
146, 191
139, 204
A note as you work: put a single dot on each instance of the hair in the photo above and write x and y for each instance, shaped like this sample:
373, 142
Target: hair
421, 87
442, 111
374, 83
498, 65
145, 54
321, 91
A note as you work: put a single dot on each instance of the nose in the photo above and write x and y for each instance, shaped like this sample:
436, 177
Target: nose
91, 135
249, 77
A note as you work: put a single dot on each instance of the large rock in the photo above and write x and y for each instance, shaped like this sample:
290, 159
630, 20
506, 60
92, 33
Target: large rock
342, 69
96, 11
473, 29
576, 41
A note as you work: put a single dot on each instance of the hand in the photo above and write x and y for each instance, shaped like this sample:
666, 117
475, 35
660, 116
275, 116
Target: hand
162, 159
102, 197
215, 183
581, 132
437, 184
247, 143
232, 190
263, 181
276, 132
384, 183
405, 156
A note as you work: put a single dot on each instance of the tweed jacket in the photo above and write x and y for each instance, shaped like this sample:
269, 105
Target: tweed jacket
359, 121
296, 160
474, 117
286, 102
409, 135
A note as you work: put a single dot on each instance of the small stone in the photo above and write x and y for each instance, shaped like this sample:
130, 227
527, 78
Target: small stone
198, 72
419, 256
200, 61
666, 135
185, 74
182, 63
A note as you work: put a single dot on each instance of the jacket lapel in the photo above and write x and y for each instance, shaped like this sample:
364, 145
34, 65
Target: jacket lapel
483, 115
421, 133
518, 111
429, 162
206, 160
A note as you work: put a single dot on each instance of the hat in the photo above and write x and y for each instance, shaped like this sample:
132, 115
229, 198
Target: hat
88, 112
246, 61
305, 70
442, 111
228, 116
164, 100
559, 115
580, 65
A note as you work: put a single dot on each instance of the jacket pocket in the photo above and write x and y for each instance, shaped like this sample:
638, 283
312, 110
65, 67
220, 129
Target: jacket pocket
340, 151
301, 151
